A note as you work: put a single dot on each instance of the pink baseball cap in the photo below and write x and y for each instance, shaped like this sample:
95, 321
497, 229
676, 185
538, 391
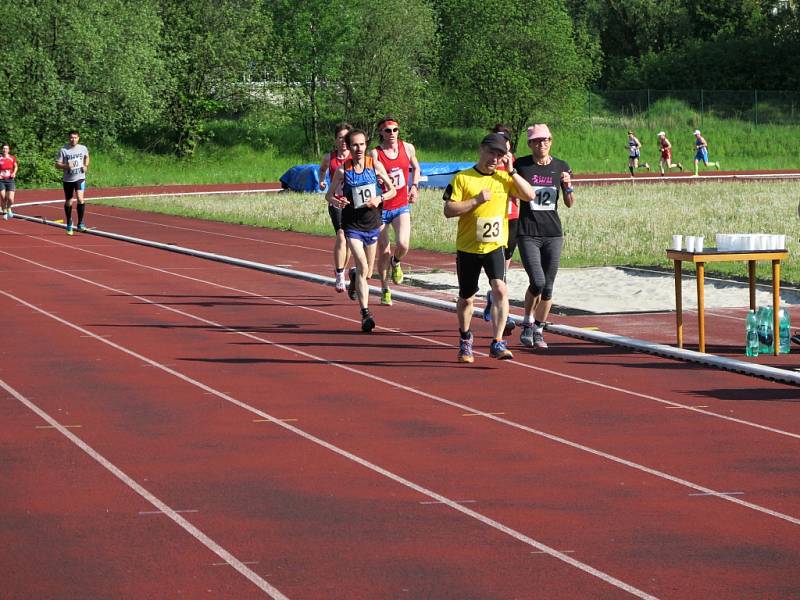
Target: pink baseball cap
538, 131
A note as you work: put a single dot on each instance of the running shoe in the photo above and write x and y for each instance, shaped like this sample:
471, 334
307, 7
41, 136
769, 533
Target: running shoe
465, 350
499, 351
340, 285
647, 166
386, 298
367, 322
9, 213
680, 167
82, 227
526, 335
510, 326
538, 339
397, 272
351, 287
69, 229
5, 216
487, 310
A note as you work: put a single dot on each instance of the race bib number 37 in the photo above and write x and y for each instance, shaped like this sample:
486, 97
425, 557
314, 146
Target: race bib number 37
489, 230
545, 198
363, 194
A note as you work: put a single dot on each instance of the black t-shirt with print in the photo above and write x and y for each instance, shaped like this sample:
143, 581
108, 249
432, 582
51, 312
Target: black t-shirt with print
539, 217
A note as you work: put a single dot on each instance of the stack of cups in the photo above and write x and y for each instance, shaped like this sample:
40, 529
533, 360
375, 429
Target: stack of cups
694, 243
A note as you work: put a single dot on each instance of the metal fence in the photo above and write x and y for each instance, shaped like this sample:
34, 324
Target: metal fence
759, 107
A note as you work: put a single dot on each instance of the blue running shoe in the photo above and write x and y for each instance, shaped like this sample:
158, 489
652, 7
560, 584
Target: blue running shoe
499, 351
465, 350
487, 310
82, 227
69, 229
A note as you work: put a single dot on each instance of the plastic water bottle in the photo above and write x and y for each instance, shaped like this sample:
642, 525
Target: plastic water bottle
752, 343
785, 330
765, 330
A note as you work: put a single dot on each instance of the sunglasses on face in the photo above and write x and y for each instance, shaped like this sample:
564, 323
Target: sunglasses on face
391, 130
540, 141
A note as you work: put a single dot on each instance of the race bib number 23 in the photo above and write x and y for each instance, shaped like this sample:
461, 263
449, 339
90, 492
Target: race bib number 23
489, 230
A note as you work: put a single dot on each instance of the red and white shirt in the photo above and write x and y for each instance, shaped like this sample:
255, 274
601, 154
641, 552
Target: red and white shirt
7, 166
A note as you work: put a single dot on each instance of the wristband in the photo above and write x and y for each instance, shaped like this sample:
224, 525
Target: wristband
512, 172
568, 190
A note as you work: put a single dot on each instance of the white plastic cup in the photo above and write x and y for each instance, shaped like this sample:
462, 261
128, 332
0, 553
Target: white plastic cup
775, 242
752, 242
698, 243
690, 239
763, 242
781, 242
677, 242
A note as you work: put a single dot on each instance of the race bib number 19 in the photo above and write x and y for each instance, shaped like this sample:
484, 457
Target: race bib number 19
545, 198
489, 230
363, 194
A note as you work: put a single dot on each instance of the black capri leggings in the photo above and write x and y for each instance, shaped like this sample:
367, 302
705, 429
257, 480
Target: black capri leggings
540, 257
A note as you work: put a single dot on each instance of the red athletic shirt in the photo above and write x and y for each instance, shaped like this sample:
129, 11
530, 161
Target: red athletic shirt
513, 203
398, 169
7, 166
335, 162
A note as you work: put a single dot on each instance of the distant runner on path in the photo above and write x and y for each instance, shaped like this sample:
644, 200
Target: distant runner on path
8, 174
666, 154
701, 153
73, 159
398, 157
331, 162
634, 150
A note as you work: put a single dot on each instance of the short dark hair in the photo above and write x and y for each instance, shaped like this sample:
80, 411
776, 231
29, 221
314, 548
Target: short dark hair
502, 129
353, 132
75, 131
339, 126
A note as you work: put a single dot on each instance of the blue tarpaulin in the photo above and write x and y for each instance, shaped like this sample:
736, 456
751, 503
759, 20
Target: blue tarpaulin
305, 178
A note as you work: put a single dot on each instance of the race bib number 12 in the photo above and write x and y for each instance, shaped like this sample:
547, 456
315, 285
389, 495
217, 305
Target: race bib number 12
545, 198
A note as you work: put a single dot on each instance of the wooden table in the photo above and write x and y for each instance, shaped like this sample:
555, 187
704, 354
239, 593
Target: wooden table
713, 255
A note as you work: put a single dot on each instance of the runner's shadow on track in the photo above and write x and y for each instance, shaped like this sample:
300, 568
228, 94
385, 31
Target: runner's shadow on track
751, 394
667, 365
558, 349
427, 363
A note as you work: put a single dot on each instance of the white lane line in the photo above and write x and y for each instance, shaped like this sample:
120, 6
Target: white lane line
159, 512
395, 385
149, 497
457, 501
720, 494
329, 315
319, 441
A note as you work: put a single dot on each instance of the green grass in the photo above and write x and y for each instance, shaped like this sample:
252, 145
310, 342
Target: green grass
609, 225
253, 149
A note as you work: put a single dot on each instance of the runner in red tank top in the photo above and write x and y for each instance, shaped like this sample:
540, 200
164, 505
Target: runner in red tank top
331, 162
398, 157
8, 174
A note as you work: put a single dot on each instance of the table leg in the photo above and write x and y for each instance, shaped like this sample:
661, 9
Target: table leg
678, 304
776, 304
701, 307
751, 271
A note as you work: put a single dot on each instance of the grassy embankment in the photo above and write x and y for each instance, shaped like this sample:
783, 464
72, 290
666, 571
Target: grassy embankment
257, 149
609, 225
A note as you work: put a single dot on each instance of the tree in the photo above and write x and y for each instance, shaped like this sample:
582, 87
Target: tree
69, 64
209, 47
516, 65
391, 66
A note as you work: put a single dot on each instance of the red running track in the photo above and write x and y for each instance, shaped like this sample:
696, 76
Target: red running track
266, 447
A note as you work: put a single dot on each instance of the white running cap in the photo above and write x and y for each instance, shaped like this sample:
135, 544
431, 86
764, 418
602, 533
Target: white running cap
696, 132
661, 133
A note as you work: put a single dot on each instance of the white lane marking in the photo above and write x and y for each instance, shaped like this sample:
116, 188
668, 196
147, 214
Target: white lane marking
159, 512
330, 315
156, 195
319, 441
396, 385
144, 493
720, 493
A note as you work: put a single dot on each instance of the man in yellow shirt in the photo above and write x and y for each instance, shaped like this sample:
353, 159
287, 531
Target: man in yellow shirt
478, 197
